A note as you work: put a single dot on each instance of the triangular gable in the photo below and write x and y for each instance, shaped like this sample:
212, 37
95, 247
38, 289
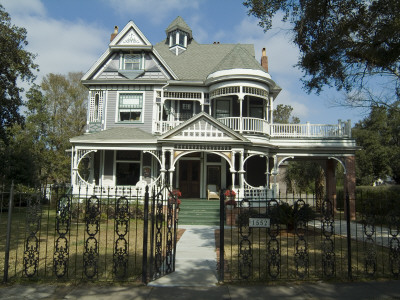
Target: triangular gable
130, 36
203, 127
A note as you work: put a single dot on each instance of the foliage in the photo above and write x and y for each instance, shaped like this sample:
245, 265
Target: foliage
289, 215
343, 43
56, 112
303, 176
230, 193
379, 136
15, 64
283, 115
173, 197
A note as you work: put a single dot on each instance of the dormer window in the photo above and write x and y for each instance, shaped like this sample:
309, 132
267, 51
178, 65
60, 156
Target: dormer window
178, 38
132, 62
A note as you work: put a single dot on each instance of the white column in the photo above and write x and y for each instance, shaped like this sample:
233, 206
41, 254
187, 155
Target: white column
241, 98
267, 172
241, 170
171, 168
163, 170
275, 174
233, 171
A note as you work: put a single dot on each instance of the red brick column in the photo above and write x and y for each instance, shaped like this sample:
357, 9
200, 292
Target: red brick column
350, 185
331, 182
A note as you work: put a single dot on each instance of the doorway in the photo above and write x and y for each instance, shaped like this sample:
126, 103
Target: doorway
189, 178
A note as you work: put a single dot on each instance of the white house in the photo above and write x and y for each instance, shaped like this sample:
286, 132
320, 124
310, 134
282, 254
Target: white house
194, 115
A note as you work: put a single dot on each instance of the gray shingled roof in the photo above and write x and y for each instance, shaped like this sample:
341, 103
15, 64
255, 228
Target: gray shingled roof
238, 58
123, 134
200, 60
179, 23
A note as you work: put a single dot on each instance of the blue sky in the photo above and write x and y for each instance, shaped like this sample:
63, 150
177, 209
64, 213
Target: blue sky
70, 35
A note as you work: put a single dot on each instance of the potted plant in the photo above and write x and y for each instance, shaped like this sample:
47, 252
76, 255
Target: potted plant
230, 204
173, 197
230, 194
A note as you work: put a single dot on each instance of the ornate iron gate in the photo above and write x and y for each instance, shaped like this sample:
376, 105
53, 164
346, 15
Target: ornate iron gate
162, 222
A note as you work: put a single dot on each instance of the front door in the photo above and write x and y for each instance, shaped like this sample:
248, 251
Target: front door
189, 178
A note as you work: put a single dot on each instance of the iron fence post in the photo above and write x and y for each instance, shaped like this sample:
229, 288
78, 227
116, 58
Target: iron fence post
349, 268
145, 234
7, 250
221, 236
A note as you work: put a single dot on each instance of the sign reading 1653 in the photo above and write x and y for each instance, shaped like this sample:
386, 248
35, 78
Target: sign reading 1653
259, 222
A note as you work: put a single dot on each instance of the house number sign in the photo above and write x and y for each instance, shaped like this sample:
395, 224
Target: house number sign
259, 222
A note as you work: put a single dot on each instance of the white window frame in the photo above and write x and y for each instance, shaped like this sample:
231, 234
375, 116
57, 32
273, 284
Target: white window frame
140, 162
126, 56
117, 115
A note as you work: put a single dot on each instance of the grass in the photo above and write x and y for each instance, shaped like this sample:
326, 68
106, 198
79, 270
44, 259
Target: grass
77, 237
240, 265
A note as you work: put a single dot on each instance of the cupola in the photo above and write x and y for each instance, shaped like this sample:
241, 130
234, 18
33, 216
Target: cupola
179, 35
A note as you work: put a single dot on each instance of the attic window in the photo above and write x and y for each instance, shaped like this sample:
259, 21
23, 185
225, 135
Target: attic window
132, 62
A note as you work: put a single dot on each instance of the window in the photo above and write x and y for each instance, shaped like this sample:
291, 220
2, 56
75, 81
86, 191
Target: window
127, 167
222, 109
132, 62
130, 108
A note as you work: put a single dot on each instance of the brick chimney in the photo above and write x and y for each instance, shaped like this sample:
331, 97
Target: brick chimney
114, 34
264, 60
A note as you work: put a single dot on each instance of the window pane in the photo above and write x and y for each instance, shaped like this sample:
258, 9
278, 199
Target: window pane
132, 61
222, 109
128, 173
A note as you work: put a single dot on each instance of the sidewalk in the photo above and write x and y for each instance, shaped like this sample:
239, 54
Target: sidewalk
196, 260
318, 290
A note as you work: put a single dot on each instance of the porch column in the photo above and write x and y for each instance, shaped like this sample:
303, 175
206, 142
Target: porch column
163, 170
331, 183
241, 98
275, 174
171, 168
232, 169
241, 171
350, 184
73, 166
267, 172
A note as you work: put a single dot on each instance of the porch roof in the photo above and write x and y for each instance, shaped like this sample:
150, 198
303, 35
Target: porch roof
116, 135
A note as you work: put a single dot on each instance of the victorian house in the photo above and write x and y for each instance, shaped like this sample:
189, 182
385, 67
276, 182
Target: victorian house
193, 115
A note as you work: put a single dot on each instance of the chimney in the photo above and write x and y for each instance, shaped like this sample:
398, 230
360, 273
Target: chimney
264, 60
114, 34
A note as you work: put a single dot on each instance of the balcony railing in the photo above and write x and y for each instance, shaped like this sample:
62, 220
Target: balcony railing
260, 126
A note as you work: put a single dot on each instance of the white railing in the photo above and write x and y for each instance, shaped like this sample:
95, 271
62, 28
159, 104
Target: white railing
342, 129
260, 126
164, 126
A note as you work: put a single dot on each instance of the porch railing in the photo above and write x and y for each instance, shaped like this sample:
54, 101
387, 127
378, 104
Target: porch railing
259, 126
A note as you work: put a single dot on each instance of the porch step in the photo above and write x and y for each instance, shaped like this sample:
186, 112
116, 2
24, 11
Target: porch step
199, 212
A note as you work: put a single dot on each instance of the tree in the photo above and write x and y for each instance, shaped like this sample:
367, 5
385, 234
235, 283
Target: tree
283, 115
342, 43
15, 64
56, 111
379, 136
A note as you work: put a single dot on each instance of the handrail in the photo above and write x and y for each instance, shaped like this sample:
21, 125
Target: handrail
260, 126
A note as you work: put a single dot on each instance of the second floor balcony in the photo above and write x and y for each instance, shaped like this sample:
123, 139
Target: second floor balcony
256, 126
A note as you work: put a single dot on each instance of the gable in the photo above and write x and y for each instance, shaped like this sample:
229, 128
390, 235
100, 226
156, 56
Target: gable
130, 36
203, 127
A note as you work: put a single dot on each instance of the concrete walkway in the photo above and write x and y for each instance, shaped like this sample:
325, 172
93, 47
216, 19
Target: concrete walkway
196, 260
381, 235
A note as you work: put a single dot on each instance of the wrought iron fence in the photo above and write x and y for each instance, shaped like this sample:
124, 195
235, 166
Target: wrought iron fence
56, 235
300, 238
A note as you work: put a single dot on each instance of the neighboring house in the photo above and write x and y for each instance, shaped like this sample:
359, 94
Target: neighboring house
192, 115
